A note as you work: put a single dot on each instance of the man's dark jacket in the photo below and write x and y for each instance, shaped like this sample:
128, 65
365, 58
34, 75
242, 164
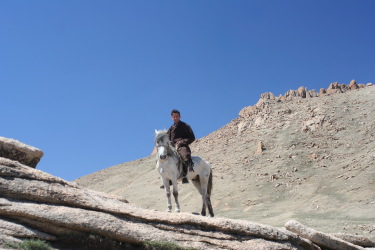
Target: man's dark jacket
181, 134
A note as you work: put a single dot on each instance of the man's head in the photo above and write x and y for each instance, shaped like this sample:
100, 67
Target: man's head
175, 116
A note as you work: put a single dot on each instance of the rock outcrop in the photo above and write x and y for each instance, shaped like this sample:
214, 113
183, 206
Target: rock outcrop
302, 92
18, 151
34, 204
319, 238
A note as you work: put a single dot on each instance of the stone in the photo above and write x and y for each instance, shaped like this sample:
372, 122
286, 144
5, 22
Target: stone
8, 239
355, 239
267, 96
311, 93
353, 85
291, 94
313, 123
334, 88
302, 92
319, 238
260, 148
21, 231
18, 151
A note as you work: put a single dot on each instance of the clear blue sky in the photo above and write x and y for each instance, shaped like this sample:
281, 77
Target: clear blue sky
89, 81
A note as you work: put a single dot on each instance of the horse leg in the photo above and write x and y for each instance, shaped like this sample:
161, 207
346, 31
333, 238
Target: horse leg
209, 190
209, 205
168, 193
203, 183
175, 194
203, 212
200, 186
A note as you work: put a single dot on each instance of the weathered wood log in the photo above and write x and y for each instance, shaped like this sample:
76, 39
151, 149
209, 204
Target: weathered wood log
319, 238
18, 151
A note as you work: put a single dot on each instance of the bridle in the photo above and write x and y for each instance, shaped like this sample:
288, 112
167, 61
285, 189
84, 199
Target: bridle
166, 149
169, 153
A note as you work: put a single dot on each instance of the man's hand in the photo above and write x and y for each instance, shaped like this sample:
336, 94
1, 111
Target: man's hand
177, 144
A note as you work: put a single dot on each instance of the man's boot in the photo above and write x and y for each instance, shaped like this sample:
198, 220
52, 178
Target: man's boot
184, 173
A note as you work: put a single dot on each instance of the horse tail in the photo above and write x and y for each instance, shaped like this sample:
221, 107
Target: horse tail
210, 185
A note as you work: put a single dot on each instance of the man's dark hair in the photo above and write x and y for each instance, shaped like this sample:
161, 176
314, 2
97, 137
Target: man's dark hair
175, 111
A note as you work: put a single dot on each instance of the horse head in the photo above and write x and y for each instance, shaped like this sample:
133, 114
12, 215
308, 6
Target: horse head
162, 143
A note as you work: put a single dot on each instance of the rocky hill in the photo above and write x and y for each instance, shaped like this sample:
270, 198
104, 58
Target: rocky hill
36, 207
307, 155
302, 157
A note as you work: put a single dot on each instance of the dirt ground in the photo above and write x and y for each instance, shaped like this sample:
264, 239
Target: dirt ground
317, 166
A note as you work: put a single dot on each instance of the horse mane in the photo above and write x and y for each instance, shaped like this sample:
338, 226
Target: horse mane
160, 134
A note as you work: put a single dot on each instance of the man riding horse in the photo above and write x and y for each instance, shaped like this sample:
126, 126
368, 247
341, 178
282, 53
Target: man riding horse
181, 135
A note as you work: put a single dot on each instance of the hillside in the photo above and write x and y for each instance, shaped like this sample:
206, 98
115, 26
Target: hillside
317, 164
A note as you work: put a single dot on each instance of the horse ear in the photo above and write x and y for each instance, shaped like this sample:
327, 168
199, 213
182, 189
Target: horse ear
156, 132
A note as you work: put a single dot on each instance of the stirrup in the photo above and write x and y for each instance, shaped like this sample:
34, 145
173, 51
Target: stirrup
184, 180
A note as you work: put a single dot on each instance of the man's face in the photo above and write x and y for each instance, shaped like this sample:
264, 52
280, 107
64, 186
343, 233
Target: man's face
175, 117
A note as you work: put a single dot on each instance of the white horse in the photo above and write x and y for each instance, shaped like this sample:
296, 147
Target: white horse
169, 167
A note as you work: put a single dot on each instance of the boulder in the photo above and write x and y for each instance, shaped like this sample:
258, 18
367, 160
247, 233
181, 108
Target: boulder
311, 93
302, 92
18, 151
334, 88
353, 85
289, 95
267, 96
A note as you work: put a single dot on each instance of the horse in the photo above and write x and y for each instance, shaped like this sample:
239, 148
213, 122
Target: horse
169, 167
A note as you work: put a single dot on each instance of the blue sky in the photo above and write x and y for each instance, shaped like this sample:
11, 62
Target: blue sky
89, 81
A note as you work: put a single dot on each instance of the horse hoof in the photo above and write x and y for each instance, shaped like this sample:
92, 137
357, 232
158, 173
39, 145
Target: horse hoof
168, 210
177, 211
203, 213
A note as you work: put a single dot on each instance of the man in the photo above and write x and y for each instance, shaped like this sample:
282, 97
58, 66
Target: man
181, 135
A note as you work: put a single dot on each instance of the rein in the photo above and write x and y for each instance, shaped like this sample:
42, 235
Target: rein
170, 148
